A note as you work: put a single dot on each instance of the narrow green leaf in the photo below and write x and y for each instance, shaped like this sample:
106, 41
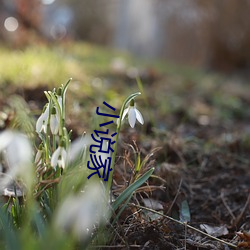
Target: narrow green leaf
39, 222
122, 209
185, 212
138, 163
10, 236
65, 87
128, 191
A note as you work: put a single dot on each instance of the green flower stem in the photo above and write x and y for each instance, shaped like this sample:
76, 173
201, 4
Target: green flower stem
54, 142
66, 137
118, 128
47, 137
65, 87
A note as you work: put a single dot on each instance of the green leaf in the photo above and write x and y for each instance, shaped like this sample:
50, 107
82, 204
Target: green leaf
122, 209
185, 212
39, 222
65, 87
138, 163
128, 191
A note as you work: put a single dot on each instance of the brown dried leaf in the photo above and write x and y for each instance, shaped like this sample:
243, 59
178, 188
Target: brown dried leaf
245, 236
214, 230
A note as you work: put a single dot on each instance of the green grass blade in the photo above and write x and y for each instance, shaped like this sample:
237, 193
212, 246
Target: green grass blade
122, 209
128, 191
185, 212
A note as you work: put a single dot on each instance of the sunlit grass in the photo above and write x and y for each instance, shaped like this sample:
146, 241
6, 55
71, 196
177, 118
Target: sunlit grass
37, 65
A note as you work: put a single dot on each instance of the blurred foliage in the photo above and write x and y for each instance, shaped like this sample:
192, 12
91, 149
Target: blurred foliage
37, 65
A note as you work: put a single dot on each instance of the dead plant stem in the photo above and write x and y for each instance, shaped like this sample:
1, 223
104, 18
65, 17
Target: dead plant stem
177, 193
239, 217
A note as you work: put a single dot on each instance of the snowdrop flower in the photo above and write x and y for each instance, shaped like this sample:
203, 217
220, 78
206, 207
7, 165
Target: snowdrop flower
54, 121
59, 157
79, 214
42, 122
133, 114
17, 152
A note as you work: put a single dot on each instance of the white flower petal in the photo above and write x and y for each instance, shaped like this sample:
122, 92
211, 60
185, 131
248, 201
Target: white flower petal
139, 116
133, 114
19, 151
63, 158
61, 163
124, 113
46, 113
55, 156
42, 121
5, 139
132, 117
18, 155
54, 124
39, 123
59, 99
59, 158
44, 127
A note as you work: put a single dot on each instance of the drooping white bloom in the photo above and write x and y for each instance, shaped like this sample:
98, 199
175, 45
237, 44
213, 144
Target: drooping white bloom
133, 114
17, 152
42, 122
54, 121
79, 214
59, 157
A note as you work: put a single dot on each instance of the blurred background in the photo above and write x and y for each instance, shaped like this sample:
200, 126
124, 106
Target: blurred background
211, 34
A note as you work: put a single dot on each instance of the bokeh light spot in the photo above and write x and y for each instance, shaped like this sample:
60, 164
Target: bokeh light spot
11, 24
47, 2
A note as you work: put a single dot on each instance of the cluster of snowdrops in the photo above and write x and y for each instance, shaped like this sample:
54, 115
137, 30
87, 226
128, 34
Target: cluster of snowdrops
50, 170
